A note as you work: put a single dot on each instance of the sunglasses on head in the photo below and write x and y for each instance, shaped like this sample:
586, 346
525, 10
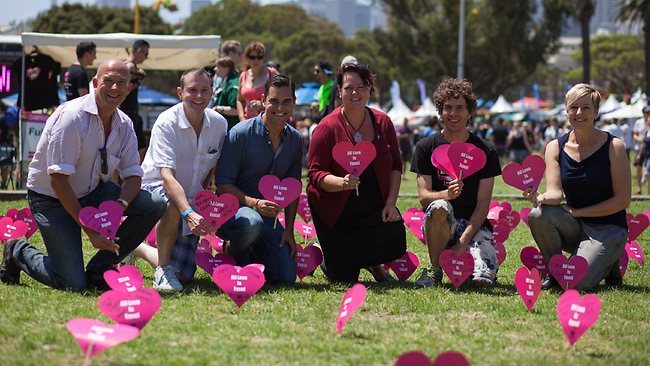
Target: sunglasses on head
254, 57
102, 154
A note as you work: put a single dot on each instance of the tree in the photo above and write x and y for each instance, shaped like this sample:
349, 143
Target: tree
505, 43
80, 19
584, 11
617, 63
639, 10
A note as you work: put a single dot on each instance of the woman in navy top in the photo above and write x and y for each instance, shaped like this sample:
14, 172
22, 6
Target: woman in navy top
590, 169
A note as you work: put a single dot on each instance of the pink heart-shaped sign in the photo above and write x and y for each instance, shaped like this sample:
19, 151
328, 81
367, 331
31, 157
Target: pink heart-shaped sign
568, 272
493, 213
505, 204
280, 218
303, 208
151, 237
511, 218
131, 308
283, 193
217, 210
209, 263
501, 252
10, 229
306, 231
500, 232
240, 284
13, 213
623, 262
634, 251
94, 336
416, 358
458, 267
352, 300
126, 279
354, 158
636, 225
104, 220
523, 213
203, 246
647, 213
413, 217
529, 285
532, 258
465, 158
256, 265
307, 259
440, 160
527, 175
215, 242
25, 215
416, 229
576, 315
404, 266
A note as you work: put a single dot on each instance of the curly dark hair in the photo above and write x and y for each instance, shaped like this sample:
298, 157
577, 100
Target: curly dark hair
455, 88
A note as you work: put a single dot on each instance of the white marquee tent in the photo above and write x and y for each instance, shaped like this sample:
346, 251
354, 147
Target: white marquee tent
501, 106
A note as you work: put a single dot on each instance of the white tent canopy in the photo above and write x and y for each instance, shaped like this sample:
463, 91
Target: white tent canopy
165, 53
399, 112
428, 109
610, 104
501, 106
627, 111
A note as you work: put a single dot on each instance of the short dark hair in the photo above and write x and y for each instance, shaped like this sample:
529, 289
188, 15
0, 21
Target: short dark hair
325, 66
230, 46
194, 71
279, 81
362, 70
455, 88
140, 43
85, 47
227, 62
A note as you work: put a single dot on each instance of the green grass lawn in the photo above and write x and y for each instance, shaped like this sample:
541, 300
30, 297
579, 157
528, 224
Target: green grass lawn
296, 325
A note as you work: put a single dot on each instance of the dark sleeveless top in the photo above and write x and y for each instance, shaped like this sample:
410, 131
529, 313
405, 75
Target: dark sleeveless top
517, 142
130, 104
589, 182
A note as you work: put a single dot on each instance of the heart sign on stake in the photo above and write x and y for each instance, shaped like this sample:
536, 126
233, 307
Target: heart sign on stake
527, 175
216, 210
25, 215
283, 193
523, 213
635, 252
501, 252
104, 220
126, 279
203, 246
465, 158
10, 229
413, 217
576, 315
240, 284
636, 225
306, 231
303, 208
352, 300
440, 160
416, 358
404, 266
500, 233
132, 308
307, 259
354, 158
532, 258
528, 284
208, 263
94, 336
458, 267
568, 272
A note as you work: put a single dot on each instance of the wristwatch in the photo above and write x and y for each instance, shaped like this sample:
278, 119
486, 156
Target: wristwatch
123, 202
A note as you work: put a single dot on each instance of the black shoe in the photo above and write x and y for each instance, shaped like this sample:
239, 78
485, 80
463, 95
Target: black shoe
549, 282
614, 277
9, 270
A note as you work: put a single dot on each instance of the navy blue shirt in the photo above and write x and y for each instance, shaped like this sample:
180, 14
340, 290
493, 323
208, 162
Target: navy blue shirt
248, 156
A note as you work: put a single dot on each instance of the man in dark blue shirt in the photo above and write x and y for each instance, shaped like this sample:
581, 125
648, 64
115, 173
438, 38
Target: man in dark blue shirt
262, 145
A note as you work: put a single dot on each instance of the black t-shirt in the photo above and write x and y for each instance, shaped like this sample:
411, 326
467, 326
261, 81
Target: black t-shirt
500, 136
465, 204
41, 72
74, 79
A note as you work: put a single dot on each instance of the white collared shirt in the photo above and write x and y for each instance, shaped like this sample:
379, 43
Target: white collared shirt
174, 145
70, 144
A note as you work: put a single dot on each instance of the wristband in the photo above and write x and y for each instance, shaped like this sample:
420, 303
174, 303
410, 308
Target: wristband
186, 212
123, 202
255, 205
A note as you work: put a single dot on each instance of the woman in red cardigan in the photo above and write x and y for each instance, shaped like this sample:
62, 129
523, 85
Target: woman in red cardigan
361, 231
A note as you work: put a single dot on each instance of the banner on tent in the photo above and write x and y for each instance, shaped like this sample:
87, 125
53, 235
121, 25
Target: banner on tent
33, 126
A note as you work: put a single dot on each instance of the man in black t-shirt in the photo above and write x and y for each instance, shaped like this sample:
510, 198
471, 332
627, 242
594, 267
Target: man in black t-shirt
456, 210
75, 79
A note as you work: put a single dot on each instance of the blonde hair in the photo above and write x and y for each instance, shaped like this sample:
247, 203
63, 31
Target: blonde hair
580, 90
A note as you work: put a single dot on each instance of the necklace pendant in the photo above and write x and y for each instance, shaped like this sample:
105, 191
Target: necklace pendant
358, 137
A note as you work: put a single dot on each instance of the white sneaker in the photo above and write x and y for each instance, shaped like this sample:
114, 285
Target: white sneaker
164, 279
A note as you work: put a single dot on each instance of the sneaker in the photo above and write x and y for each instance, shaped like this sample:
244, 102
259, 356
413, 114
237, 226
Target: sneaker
9, 270
549, 281
482, 282
164, 279
380, 274
429, 277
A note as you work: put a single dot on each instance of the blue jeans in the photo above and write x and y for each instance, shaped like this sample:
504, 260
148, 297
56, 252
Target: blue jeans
63, 267
254, 240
